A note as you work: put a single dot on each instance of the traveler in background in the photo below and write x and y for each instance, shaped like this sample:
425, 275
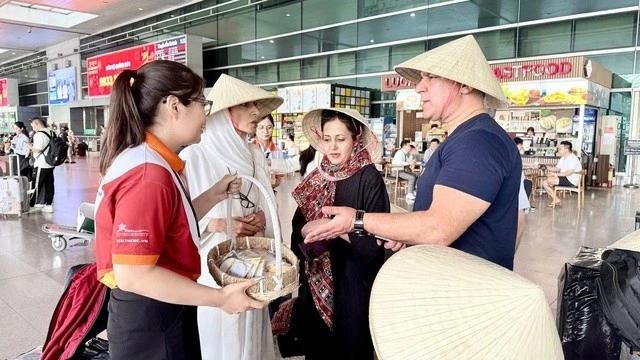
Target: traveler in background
336, 276
290, 146
20, 147
72, 141
403, 157
468, 194
238, 108
531, 132
43, 179
565, 173
147, 237
264, 138
433, 146
308, 160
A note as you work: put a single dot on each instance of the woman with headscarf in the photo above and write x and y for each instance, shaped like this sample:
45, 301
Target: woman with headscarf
336, 276
224, 149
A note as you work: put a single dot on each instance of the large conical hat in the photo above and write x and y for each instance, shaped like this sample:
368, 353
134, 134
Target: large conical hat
462, 61
629, 242
229, 91
434, 302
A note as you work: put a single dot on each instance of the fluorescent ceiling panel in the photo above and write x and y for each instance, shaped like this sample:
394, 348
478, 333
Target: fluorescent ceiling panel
43, 15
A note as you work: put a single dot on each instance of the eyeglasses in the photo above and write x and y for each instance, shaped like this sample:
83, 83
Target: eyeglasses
207, 104
244, 198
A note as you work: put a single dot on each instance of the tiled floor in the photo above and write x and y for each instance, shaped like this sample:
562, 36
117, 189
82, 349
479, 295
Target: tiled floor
32, 273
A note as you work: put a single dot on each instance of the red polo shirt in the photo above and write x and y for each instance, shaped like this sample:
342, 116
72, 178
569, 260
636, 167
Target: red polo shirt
143, 216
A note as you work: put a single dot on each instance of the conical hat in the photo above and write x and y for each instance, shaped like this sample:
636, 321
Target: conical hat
312, 128
434, 302
629, 242
229, 91
462, 61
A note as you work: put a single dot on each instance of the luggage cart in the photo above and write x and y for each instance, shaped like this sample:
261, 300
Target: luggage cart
63, 236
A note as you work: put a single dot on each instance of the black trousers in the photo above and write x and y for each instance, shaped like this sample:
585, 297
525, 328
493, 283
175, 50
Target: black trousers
528, 187
43, 183
143, 328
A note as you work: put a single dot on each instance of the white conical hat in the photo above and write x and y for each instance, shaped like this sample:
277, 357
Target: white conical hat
434, 302
229, 91
312, 126
462, 61
629, 242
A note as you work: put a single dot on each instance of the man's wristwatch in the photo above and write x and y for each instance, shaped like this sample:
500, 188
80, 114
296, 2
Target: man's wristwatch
358, 223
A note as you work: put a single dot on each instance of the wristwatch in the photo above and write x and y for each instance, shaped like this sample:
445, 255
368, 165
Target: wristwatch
358, 223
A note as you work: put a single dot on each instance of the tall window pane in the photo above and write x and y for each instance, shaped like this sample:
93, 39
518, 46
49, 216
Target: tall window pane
375, 7
461, 16
605, 32
372, 60
267, 73
534, 10
277, 19
335, 38
278, 48
497, 44
398, 27
314, 68
290, 70
342, 64
236, 27
400, 53
545, 39
324, 12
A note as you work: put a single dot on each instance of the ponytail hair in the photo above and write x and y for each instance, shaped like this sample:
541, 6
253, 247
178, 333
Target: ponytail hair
134, 101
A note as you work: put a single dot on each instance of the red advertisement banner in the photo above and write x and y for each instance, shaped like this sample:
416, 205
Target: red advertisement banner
102, 70
4, 93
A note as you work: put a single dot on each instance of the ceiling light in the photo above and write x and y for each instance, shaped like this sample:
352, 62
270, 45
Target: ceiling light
271, 41
261, 57
13, 53
140, 9
372, 41
22, 12
287, 14
413, 14
3, 50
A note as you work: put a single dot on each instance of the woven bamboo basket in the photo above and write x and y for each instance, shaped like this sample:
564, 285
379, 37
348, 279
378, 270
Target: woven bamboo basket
271, 286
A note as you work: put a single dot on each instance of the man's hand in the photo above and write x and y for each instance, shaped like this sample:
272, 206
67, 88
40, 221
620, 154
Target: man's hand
391, 245
342, 223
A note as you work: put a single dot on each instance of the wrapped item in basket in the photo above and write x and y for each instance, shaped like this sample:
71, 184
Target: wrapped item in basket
274, 266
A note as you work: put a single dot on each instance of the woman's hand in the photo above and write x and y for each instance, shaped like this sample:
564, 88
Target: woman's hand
242, 226
313, 225
228, 185
235, 299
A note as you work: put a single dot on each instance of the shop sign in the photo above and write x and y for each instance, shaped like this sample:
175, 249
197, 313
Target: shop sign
102, 70
395, 82
563, 68
4, 93
632, 147
547, 93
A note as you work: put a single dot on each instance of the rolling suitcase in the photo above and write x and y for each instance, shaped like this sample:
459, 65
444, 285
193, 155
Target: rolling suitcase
13, 190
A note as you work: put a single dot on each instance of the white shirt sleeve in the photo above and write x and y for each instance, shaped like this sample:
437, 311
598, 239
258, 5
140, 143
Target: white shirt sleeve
399, 158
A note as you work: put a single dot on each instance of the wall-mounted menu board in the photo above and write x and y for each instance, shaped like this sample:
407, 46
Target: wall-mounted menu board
349, 97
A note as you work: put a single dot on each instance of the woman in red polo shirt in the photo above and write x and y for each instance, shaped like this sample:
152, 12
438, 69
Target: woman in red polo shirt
147, 237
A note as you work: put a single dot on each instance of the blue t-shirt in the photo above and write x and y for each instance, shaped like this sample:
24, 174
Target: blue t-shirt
480, 159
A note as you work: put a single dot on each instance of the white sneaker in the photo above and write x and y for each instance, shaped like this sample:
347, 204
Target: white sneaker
410, 196
38, 206
47, 209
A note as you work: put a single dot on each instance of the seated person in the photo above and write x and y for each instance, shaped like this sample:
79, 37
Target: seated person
566, 171
528, 184
433, 146
403, 157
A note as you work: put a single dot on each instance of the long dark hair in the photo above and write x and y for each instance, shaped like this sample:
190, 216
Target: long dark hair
134, 99
306, 156
20, 125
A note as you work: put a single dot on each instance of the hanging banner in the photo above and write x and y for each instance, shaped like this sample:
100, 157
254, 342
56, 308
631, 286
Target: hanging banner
4, 93
102, 70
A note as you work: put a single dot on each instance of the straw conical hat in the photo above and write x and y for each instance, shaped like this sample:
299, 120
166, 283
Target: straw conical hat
629, 242
229, 91
462, 61
433, 302
312, 127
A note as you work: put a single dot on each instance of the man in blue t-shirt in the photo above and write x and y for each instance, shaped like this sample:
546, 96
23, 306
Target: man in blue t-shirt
467, 197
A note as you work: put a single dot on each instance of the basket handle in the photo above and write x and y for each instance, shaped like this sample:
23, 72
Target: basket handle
277, 233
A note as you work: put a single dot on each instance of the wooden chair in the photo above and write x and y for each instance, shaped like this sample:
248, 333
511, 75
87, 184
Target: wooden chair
579, 189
